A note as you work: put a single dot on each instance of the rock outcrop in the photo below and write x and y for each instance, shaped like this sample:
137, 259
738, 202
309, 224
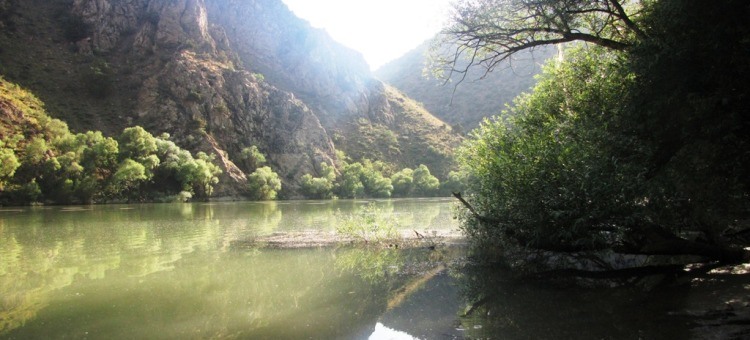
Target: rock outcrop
218, 76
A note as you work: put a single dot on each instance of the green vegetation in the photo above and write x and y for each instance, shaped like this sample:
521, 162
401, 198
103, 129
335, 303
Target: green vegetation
637, 143
368, 179
44, 162
369, 224
264, 184
320, 187
405, 137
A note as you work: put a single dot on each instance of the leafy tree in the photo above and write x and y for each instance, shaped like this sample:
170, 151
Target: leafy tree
547, 168
129, 175
350, 184
626, 148
375, 184
425, 184
198, 175
98, 153
691, 105
360, 180
253, 157
319, 187
136, 143
264, 184
457, 181
403, 182
8, 164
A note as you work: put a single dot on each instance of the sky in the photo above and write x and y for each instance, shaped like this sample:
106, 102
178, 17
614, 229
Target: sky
382, 30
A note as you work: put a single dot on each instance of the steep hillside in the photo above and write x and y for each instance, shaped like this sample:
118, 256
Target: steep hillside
218, 75
477, 97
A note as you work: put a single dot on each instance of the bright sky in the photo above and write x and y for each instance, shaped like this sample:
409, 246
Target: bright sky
382, 30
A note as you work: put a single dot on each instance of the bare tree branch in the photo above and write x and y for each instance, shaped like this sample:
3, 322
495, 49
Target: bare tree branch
487, 32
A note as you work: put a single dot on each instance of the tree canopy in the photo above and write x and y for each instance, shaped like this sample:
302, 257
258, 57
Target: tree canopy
637, 143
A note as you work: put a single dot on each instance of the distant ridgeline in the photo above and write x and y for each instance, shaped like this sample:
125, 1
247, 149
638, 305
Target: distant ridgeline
465, 99
230, 79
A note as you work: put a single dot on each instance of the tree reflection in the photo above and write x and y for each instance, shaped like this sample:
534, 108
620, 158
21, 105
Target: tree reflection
503, 306
133, 271
62, 246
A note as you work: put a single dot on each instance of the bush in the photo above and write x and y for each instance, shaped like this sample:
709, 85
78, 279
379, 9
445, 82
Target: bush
264, 184
369, 224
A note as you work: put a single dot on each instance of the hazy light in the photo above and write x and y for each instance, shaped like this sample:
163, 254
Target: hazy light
382, 30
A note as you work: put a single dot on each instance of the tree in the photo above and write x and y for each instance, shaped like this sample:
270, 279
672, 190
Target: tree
631, 150
319, 187
198, 175
350, 184
425, 184
375, 184
264, 184
129, 175
403, 182
136, 143
456, 182
486, 32
8, 164
252, 157
363, 179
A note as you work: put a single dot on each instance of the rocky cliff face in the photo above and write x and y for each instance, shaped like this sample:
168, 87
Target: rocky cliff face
218, 75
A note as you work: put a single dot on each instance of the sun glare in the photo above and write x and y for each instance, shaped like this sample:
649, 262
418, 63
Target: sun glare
381, 30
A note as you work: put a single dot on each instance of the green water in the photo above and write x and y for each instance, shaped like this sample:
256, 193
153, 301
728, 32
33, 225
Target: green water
174, 271
184, 271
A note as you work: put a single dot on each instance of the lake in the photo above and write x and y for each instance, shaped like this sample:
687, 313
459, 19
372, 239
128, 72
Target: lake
187, 271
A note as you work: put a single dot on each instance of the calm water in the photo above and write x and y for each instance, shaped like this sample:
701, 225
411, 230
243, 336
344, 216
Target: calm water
177, 271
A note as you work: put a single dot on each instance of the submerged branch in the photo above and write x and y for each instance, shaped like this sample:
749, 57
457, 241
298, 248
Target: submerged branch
473, 211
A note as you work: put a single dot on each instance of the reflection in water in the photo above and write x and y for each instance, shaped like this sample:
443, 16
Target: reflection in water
167, 271
168, 268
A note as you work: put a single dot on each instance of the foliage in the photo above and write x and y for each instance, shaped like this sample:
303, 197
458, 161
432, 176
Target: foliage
136, 143
425, 184
628, 149
44, 161
264, 184
368, 224
252, 157
128, 175
319, 187
457, 181
692, 106
8, 164
363, 180
199, 174
367, 179
418, 182
403, 183
549, 166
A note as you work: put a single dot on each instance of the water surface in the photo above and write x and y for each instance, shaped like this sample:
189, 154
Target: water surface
183, 271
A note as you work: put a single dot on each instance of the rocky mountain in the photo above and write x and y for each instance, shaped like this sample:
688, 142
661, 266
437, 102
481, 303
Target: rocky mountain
218, 76
464, 103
